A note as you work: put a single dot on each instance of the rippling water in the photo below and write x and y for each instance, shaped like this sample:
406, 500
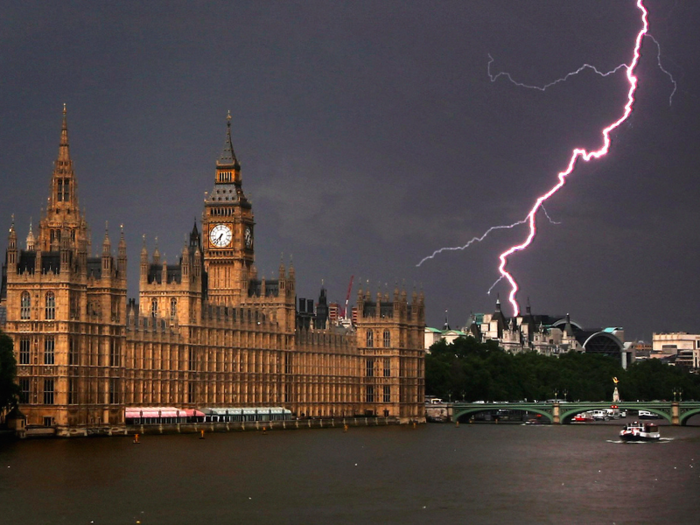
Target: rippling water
432, 474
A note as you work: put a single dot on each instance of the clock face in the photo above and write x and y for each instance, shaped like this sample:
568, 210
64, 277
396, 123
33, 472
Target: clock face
248, 238
220, 235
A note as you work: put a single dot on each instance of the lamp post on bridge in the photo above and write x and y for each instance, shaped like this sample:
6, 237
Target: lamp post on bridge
677, 394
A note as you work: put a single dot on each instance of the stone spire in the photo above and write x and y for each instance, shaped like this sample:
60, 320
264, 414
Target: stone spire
121, 253
106, 243
62, 215
30, 238
63, 192
228, 157
156, 254
63, 148
195, 237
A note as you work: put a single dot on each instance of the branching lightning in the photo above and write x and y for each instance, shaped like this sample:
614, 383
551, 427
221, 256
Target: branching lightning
555, 82
577, 153
658, 62
548, 217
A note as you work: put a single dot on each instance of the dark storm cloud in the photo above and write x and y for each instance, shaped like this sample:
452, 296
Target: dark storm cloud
370, 135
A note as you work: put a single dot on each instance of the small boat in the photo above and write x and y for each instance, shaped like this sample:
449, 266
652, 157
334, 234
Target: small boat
637, 431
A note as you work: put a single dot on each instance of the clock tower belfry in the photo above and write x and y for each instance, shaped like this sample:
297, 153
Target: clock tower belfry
227, 231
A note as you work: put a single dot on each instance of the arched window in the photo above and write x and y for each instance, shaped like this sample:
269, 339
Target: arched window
370, 339
49, 349
26, 305
50, 306
387, 338
154, 308
173, 308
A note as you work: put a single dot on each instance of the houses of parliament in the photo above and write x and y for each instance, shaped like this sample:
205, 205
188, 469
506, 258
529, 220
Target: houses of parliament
206, 331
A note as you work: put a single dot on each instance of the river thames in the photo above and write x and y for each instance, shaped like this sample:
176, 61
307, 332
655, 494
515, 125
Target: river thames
431, 474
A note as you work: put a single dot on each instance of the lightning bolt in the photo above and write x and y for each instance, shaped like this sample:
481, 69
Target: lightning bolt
577, 153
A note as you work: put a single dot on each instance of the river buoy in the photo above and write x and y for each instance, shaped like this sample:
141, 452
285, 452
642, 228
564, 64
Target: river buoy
201, 435
345, 428
136, 439
456, 423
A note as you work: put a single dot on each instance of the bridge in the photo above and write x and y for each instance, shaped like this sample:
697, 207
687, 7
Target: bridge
675, 412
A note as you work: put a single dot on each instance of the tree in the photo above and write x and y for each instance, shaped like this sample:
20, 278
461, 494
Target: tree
9, 390
474, 371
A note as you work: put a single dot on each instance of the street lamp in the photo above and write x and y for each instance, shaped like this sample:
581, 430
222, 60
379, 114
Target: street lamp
677, 394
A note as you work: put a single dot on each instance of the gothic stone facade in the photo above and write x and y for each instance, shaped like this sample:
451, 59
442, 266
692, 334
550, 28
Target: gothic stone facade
205, 332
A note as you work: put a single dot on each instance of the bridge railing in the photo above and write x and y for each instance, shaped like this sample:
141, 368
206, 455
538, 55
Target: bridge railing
676, 412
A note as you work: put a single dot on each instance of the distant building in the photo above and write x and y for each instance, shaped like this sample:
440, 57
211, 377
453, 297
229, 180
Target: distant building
679, 348
545, 334
434, 335
642, 350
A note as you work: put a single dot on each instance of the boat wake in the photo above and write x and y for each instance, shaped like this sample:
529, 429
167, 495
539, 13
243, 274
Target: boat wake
621, 442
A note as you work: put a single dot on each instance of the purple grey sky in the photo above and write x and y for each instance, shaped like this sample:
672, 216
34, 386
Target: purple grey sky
370, 135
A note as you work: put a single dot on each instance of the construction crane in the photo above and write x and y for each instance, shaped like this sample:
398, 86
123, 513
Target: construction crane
347, 297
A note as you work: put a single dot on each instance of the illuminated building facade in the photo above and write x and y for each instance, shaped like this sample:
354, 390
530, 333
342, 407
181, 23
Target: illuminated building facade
206, 330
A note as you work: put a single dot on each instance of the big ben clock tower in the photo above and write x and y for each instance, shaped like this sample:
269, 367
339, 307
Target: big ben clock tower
227, 228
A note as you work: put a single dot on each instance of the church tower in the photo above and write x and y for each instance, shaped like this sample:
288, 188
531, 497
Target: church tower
227, 231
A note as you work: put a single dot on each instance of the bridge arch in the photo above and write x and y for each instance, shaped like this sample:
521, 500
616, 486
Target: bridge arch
458, 414
566, 415
683, 419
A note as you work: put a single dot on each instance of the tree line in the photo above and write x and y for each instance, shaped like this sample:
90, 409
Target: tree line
9, 390
469, 370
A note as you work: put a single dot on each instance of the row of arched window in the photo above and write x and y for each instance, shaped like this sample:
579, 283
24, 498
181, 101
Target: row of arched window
386, 339
49, 351
173, 308
49, 306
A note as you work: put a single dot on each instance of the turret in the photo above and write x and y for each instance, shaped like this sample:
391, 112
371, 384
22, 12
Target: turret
197, 263
568, 329
31, 241
12, 248
281, 271
164, 271
185, 263
144, 262
360, 300
156, 254
195, 237
121, 255
106, 254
